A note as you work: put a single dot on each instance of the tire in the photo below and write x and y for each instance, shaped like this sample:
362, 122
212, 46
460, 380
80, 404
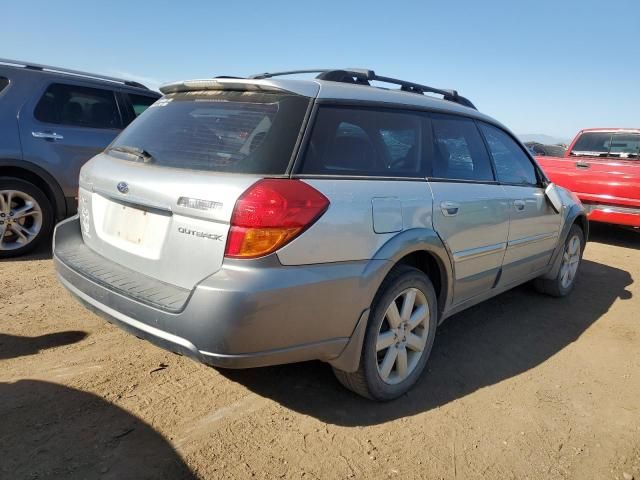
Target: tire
21, 234
561, 286
373, 379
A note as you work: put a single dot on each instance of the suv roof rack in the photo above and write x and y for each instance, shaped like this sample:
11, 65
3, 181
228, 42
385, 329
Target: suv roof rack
361, 76
67, 71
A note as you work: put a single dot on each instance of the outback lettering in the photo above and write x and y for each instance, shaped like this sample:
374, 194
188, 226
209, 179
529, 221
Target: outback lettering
196, 233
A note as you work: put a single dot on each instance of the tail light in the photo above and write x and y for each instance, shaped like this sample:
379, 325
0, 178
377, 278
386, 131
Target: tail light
270, 214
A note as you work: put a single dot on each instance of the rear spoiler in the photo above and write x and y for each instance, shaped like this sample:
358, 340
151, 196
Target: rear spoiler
242, 84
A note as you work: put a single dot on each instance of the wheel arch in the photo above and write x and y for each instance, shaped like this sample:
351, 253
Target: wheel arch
583, 222
423, 249
40, 178
418, 247
575, 215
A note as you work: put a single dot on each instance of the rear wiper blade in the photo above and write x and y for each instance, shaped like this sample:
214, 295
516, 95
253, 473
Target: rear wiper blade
140, 153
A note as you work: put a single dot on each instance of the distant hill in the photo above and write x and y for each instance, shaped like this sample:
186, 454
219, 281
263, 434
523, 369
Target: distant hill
542, 138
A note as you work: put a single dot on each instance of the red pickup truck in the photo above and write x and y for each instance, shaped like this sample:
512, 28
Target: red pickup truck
602, 167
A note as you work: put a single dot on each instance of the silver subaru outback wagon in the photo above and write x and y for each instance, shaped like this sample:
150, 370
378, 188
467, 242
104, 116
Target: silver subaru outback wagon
256, 221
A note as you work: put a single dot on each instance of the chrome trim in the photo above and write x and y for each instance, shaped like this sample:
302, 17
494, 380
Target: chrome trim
133, 201
532, 239
589, 207
479, 252
47, 135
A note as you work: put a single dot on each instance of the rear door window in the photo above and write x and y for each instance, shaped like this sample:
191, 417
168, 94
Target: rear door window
4, 81
458, 150
354, 141
220, 131
78, 106
512, 164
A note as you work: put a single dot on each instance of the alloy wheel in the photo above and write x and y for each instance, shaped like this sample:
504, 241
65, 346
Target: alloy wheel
20, 219
402, 336
570, 262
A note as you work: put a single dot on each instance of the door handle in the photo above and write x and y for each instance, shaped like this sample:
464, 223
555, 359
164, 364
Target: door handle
449, 209
582, 165
47, 135
519, 204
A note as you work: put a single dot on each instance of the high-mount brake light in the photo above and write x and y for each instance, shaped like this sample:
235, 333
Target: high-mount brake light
270, 214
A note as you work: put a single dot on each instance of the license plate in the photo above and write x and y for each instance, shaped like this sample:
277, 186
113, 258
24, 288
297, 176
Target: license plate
127, 223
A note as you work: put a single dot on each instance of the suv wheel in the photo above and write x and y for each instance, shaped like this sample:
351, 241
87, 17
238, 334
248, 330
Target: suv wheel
564, 281
399, 337
26, 217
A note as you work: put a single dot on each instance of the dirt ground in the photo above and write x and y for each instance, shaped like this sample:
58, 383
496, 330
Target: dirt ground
522, 386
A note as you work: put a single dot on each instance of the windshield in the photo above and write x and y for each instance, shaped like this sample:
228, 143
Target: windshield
554, 150
608, 144
220, 131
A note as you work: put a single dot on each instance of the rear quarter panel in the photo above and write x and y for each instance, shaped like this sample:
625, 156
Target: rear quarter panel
363, 215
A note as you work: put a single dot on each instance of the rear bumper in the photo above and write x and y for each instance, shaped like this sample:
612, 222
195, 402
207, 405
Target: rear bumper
248, 314
616, 214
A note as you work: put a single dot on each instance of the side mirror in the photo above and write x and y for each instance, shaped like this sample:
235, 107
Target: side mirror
552, 194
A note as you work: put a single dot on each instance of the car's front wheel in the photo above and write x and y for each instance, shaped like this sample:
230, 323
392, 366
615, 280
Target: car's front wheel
399, 336
562, 284
26, 217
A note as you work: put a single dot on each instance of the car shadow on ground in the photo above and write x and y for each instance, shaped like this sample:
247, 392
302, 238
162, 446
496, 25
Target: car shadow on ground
614, 235
12, 346
51, 431
496, 340
42, 252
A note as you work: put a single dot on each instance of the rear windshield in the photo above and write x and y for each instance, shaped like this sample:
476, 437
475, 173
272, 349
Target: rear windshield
608, 144
219, 131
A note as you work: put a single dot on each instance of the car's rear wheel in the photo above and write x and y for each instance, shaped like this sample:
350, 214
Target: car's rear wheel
562, 284
26, 217
398, 338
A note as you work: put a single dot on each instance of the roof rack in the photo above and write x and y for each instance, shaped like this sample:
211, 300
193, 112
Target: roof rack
67, 71
361, 76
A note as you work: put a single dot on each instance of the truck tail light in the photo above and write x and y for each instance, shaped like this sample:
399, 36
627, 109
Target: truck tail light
270, 214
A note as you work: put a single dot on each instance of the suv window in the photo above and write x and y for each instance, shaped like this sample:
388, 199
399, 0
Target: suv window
366, 142
4, 81
512, 164
78, 106
459, 152
140, 102
219, 131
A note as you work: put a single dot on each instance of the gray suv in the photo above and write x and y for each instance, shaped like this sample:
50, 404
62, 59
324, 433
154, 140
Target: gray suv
52, 120
256, 221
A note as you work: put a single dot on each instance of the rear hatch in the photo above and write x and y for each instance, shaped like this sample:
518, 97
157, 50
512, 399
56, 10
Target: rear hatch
159, 200
603, 168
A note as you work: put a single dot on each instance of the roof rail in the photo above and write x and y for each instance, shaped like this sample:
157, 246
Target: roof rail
67, 71
360, 76
261, 76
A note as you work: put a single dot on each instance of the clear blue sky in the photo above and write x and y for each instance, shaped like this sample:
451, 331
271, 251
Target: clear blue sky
542, 66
